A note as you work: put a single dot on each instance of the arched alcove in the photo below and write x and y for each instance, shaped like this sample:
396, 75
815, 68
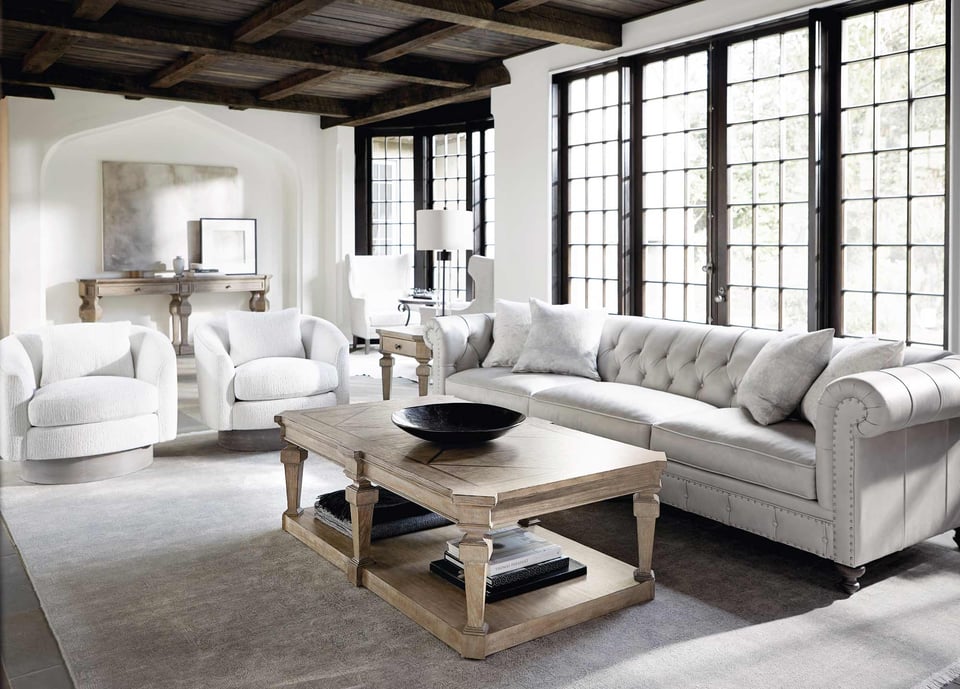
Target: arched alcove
71, 208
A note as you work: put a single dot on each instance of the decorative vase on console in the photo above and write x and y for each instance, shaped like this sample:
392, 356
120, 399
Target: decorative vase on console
178, 265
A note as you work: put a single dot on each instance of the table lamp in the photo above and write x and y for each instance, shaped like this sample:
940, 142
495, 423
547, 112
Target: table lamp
444, 231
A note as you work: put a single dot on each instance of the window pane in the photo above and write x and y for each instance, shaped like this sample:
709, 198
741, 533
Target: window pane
893, 221
673, 240
391, 196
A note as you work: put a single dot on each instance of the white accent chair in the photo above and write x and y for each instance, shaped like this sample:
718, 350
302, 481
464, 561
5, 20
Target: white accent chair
240, 399
480, 268
85, 401
375, 285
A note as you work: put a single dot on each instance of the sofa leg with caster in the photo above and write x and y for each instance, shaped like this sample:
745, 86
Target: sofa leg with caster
851, 576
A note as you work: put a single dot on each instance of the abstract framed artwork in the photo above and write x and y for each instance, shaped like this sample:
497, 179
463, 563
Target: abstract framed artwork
229, 244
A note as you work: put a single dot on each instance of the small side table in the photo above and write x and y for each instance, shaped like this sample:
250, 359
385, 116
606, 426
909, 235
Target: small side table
407, 302
405, 341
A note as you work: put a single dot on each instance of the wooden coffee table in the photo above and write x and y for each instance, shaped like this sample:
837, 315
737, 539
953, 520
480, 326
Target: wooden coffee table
535, 469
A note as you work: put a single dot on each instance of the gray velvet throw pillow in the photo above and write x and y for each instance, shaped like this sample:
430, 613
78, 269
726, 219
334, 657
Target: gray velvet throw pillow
860, 356
562, 339
782, 373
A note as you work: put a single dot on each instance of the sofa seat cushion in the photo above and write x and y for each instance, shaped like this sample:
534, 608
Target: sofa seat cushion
91, 399
502, 387
614, 410
728, 442
276, 378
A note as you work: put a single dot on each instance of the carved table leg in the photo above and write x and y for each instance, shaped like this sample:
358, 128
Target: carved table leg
475, 551
646, 508
90, 310
176, 337
386, 373
259, 301
851, 575
362, 497
423, 375
292, 458
184, 312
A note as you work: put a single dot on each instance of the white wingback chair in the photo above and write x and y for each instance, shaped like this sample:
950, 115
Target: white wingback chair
253, 366
480, 268
375, 284
86, 401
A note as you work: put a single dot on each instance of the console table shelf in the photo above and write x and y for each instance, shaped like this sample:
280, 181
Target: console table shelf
179, 289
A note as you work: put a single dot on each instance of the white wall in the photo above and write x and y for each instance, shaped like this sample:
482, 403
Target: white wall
522, 111
55, 213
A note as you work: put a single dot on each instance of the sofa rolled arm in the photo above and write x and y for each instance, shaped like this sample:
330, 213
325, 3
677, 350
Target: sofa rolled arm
895, 398
18, 382
156, 363
215, 374
458, 343
323, 341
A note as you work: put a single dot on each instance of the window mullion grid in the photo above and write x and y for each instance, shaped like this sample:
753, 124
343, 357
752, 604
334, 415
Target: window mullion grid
626, 161
717, 217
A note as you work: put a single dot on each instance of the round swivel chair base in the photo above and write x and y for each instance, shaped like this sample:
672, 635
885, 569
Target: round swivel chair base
261, 440
86, 469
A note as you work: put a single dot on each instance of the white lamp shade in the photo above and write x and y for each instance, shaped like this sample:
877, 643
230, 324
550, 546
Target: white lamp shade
444, 230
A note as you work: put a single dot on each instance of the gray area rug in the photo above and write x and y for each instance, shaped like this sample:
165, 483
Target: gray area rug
179, 577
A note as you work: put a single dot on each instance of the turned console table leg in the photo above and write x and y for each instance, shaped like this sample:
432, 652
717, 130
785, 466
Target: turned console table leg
475, 551
90, 310
259, 301
646, 508
362, 497
850, 577
292, 458
176, 337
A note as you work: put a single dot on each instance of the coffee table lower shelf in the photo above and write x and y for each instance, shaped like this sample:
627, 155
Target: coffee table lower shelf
401, 576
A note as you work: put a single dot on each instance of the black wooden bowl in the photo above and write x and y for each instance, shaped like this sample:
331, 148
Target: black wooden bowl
457, 423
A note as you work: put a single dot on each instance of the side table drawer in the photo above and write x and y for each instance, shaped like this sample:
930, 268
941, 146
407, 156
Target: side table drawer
123, 290
395, 346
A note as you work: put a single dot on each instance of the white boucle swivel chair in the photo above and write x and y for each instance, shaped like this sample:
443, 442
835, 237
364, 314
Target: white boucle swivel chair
253, 366
85, 401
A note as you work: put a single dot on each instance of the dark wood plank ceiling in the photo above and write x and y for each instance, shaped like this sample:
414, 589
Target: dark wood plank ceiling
351, 61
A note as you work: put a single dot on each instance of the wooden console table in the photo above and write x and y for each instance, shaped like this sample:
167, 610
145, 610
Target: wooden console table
179, 289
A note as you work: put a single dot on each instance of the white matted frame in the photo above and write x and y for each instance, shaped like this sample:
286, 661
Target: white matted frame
229, 244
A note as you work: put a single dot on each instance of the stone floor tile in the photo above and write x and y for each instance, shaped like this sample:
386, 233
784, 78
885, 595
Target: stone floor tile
55, 677
28, 644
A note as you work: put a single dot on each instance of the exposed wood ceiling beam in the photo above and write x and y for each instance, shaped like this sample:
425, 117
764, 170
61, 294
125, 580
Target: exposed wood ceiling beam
409, 40
181, 69
88, 80
129, 28
295, 83
418, 98
276, 17
541, 23
518, 5
50, 47
41, 92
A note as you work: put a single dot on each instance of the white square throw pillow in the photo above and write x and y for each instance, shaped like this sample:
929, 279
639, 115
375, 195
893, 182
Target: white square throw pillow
782, 373
511, 325
256, 335
562, 339
86, 349
860, 356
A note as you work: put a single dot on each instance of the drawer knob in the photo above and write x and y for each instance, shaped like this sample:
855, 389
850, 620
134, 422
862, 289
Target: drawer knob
226, 286
136, 289
398, 346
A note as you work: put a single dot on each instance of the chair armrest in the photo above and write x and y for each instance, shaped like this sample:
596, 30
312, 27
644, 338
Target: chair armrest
458, 343
18, 382
215, 374
323, 341
156, 363
886, 452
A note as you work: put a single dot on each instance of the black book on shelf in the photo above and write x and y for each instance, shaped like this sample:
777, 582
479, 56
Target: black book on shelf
449, 571
393, 515
520, 573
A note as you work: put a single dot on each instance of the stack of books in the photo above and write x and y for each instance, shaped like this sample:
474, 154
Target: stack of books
521, 561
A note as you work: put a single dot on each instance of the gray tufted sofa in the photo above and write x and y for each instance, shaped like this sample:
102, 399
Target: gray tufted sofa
877, 472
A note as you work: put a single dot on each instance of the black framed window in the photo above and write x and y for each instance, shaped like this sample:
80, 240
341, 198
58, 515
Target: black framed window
400, 171
792, 174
